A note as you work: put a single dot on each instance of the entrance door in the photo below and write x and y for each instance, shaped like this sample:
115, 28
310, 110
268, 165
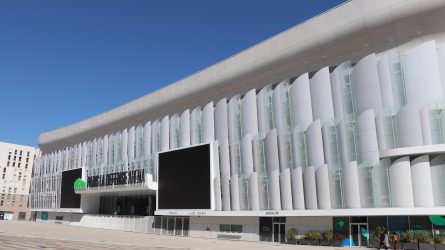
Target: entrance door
279, 234
359, 234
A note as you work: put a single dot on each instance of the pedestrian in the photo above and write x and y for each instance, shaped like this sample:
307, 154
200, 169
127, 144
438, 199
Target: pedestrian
383, 241
395, 240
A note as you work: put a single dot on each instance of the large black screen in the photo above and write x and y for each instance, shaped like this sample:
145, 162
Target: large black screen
69, 199
184, 178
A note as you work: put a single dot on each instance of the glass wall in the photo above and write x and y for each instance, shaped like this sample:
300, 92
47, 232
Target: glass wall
143, 205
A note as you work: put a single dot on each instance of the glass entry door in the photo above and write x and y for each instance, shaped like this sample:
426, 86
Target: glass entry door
279, 234
359, 234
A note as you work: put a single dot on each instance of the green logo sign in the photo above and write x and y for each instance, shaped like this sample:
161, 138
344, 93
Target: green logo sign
437, 220
80, 184
340, 223
364, 232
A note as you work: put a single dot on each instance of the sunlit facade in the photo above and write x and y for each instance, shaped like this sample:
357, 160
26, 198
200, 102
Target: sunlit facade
357, 138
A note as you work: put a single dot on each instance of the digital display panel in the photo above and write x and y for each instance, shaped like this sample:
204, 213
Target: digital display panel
69, 199
184, 178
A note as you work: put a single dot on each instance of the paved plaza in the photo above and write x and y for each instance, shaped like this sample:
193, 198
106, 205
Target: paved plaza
33, 235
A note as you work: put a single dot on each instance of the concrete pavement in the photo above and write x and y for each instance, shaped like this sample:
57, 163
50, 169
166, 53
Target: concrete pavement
33, 235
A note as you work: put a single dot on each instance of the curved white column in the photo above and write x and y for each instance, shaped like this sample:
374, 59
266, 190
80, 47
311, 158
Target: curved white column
347, 140
243, 189
342, 100
409, 128
224, 158
441, 57
383, 138
249, 114
147, 139
131, 142
330, 146
217, 177
139, 142
253, 192
105, 150
280, 107
297, 188
367, 137
284, 150
401, 184
246, 155
124, 146
221, 124
225, 193
365, 79
286, 190
271, 147
234, 193
233, 115
173, 131
380, 184
195, 122
422, 74
315, 144
422, 185
217, 193
298, 148
165, 125
437, 177
94, 152
426, 125
310, 188
155, 132
323, 189
264, 110
321, 96
351, 185
208, 126
365, 183
84, 154
390, 98
300, 98
79, 155
274, 190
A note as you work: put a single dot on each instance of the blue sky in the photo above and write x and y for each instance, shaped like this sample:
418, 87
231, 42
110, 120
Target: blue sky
62, 61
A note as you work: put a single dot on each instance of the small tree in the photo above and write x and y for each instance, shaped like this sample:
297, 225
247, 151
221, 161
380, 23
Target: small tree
439, 239
313, 235
292, 233
377, 232
407, 236
328, 235
422, 236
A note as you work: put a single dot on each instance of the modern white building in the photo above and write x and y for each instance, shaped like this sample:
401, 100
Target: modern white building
16, 162
336, 124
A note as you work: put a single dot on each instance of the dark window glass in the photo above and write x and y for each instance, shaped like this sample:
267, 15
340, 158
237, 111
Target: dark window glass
398, 224
224, 228
236, 228
420, 223
341, 227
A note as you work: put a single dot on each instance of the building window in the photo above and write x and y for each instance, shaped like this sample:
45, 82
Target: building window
229, 228
22, 215
59, 217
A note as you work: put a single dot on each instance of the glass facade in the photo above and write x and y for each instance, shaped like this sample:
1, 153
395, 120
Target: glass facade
142, 205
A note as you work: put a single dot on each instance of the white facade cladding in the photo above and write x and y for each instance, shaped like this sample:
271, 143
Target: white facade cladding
356, 128
266, 134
